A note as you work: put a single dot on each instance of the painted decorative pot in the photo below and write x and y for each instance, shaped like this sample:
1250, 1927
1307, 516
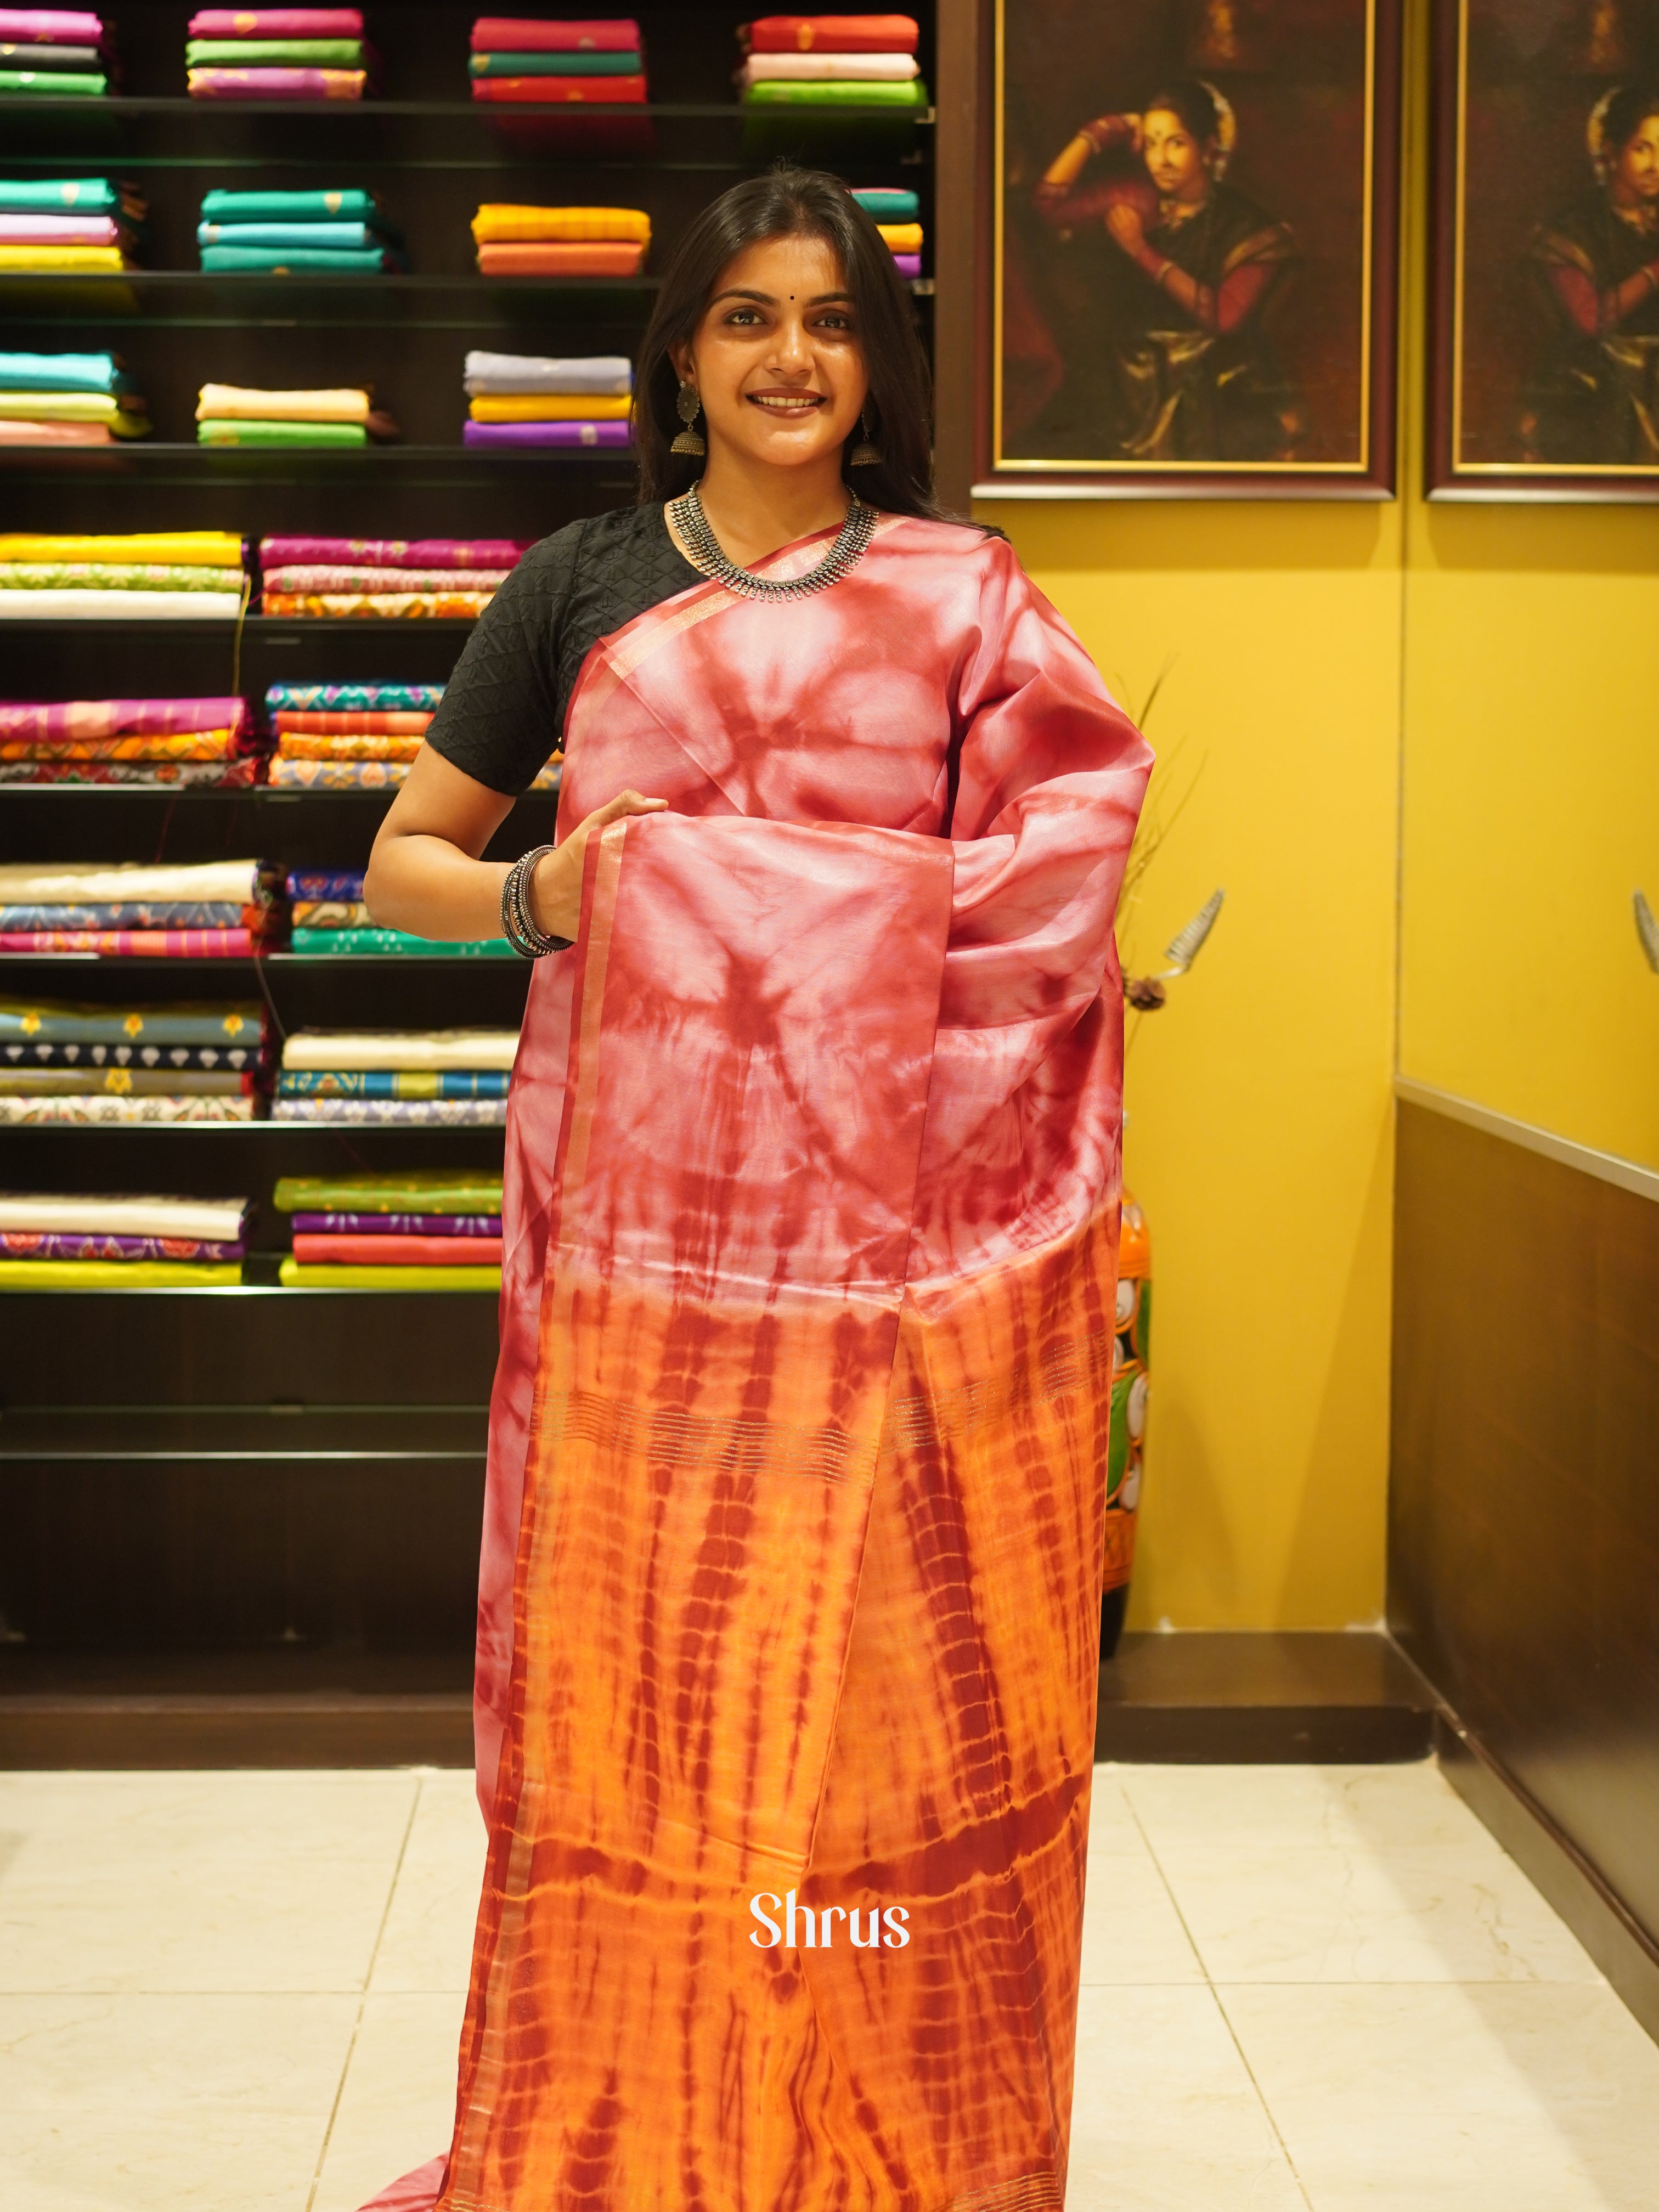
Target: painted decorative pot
1130, 1360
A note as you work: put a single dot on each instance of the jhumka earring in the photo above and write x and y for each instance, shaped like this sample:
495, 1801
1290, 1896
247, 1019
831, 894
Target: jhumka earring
688, 407
865, 454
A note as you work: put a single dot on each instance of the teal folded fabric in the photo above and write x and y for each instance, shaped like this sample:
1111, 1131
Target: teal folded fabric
284, 207
61, 372
288, 234
287, 260
886, 204
346, 942
59, 195
54, 84
558, 64
274, 54
836, 92
223, 432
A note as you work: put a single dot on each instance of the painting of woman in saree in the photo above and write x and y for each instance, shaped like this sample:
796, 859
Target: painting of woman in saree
1192, 244
1547, 238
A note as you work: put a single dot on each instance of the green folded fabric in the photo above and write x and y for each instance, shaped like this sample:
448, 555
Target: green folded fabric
131, 1274
107, 576
319, 1275
274, 54
59, 195
343, 943
287, 260
62, 84
837, 92
556, 65
280, 434
419, 1190
283, 207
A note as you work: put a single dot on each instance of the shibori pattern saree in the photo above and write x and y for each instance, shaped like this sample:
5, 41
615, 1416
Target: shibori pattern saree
792, 1566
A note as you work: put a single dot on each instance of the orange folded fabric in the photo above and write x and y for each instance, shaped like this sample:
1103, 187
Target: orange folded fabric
303, 744
562, 91
498, 223
559, 260
18, 433
381, 722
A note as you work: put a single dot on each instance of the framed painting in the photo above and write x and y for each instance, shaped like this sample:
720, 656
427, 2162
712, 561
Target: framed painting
1544, 379
1193, 244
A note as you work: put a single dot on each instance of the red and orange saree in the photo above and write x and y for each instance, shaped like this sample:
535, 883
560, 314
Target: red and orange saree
790, 1592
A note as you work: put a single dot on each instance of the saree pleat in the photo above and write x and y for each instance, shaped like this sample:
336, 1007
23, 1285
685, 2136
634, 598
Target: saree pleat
789, 1596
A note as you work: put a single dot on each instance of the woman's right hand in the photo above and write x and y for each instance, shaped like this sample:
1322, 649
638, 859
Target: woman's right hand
555, 889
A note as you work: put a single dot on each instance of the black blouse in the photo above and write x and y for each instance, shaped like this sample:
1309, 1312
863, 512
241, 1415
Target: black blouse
503, 713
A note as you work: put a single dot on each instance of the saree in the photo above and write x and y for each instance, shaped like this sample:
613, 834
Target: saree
790, 1586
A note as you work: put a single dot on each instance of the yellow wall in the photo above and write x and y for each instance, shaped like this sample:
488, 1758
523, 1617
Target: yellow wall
1427, 773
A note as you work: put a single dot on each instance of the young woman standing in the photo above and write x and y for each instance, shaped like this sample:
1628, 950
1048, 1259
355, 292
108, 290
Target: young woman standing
790, 1592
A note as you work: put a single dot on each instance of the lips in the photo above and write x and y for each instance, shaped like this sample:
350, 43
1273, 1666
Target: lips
786, 404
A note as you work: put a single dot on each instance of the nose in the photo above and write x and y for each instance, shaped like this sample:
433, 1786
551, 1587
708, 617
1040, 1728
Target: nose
791, 355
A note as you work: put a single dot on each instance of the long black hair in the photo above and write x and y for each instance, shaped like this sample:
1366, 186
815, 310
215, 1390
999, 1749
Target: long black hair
790, 202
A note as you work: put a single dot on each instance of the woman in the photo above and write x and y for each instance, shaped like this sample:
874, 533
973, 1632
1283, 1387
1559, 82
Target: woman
1595, 397
1179, 369
790, 1588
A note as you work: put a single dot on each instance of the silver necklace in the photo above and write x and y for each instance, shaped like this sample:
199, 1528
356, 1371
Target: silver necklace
709, 554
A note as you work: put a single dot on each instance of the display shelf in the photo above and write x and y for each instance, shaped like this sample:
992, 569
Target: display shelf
232, 1434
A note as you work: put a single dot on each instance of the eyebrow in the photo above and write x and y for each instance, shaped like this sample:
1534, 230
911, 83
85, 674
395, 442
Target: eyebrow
770, 299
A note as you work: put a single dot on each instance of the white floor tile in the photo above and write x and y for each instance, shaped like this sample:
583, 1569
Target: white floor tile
399, 2105
428, 1943
1409, 1804
1112, 1824
1165, 2118
217, 1882
1492, 2099
166, 2104
1131, 1933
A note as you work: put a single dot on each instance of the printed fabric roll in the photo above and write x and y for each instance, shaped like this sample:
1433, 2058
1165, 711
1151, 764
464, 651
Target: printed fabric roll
337, 775
334, 701
294, 1275
158, 1058
399, 1050
115, 1274
119, 575
124, 1083
610, 373
21, 1244
206, 548
413, 1113
276, 23
179, 914
57, 1021
277, 84
240, 883
831, 35
82, 1213
398, 1224
134, 943
506, 223
381, 723
521, 437
562, 91
196, 745
315, 886
395, 1251
217, 775
418, 1190
555, 259
361, 943
390, 606
386, 553
310, 577
520, 34
99, 1110
392, 1083
344, 745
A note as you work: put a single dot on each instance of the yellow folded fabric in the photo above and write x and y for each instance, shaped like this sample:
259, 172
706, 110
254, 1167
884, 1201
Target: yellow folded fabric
320, 1275
901, 237
553, 407
497, 223
183, 548
51, 259
236, 403
125, 1274
64, 406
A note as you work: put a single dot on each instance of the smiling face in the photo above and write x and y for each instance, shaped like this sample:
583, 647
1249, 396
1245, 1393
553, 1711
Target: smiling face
1174, 160
776, 359
1635, 177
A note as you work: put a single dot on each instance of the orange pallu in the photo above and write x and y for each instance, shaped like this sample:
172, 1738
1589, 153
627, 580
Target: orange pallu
790, 1591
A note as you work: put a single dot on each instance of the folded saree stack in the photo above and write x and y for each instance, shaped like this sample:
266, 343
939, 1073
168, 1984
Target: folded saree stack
56, 53
278, 53
184, 575
560, 241
897, 216
419, 1077
440, 578
540, 64
213, 909
71, 225
189, 1062
831, 61
177, 743
332, 921
67, 399
340, 233
234, 415
351, 737
518, 400
429, 1231
95, 1243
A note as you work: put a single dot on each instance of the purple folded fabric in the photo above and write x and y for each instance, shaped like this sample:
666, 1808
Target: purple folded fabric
518, 436
113, 718
392, 552
908, 264
277, 23
49, 26
59, 1244
396, 1225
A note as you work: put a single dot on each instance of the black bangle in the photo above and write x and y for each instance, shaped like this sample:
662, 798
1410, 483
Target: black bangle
518, 923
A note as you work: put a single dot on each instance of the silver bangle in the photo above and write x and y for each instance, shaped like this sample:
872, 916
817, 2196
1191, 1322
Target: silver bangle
518, 923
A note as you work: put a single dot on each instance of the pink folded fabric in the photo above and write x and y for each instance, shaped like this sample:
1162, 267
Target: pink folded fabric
276, 84
58, 230
314, 577
117, 718
512, 35
277, 23
49, 26
18, 433
134, 943
394, 552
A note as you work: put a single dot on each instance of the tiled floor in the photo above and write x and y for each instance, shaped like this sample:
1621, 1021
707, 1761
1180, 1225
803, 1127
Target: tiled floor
1305, 1990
